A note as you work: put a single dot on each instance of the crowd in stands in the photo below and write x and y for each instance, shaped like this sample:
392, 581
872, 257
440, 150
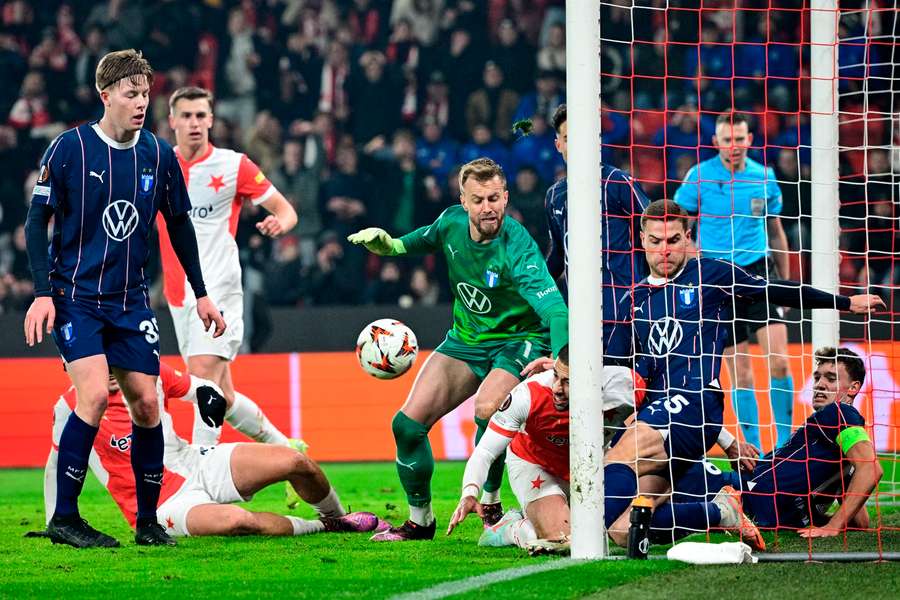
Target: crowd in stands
360, 112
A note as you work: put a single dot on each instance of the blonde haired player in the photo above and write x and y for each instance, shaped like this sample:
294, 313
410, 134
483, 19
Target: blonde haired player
218, 180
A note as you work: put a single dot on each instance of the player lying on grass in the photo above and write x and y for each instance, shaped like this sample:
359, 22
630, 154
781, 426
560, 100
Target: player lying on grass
507, 310
830, 458
680, 318
201, 483
533, 427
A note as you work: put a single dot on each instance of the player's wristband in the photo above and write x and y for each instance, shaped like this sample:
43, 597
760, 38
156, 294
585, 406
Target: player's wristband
851, 437
397, 247
473, 486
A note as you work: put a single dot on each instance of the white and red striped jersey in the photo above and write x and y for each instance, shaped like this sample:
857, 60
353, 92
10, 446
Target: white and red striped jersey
217, 182
110, 458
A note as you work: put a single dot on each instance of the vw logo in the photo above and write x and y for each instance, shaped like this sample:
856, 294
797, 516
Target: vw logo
665, 335
473, 298
120, 219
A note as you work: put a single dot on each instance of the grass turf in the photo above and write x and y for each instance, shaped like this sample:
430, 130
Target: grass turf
345, 565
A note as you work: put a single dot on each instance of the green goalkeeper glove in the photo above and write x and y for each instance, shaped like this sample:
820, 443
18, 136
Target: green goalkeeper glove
377, 241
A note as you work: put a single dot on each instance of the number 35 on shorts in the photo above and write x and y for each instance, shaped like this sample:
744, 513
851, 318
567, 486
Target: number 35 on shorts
150, 329
675, 404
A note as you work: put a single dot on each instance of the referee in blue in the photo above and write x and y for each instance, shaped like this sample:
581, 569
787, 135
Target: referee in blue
103, 183
738, 202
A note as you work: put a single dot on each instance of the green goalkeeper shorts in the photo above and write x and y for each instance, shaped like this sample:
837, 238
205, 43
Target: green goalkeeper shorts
509, 355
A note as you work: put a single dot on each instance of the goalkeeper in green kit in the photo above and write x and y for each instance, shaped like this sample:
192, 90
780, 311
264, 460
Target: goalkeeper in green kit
506, 312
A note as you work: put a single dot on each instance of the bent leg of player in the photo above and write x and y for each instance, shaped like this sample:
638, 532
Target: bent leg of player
89, 375
638, 451
655, 487
773, 344
442, 385
491, 393
740, 372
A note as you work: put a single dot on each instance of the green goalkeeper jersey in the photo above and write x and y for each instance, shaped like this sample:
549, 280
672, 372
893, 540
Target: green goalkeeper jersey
501, 288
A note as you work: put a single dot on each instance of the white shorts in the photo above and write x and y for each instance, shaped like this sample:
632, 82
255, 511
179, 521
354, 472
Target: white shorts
194, 340
530, 482
209, 482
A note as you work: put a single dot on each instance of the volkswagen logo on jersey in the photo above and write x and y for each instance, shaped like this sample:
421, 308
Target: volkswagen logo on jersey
687, 296
665, 335
473, 298
491, 278
146, 181
120, 219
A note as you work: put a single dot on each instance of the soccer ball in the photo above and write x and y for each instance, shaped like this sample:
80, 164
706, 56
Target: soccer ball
386, 348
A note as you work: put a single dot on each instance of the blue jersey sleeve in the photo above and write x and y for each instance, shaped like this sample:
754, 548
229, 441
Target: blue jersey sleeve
50, 186
773, 194
834, 418
175, 200
556, 258
688, 193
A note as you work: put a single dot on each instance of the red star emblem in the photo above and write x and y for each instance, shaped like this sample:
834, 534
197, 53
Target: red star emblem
215, 182
170, 523
537, 483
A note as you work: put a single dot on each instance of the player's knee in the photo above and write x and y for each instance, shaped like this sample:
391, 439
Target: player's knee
93, 402
486, 405
145, 410
302, 465
406, 430
779, 367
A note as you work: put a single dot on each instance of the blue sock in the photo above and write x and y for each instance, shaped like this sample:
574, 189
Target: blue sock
672, 522
620, 488
782, 407
74, 451
147, 448
747, 414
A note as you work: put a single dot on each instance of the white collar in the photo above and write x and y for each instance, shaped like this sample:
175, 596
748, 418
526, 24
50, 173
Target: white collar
662, 280
113, 143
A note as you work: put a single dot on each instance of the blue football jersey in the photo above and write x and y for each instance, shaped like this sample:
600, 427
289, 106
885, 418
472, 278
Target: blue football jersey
680, 327
105, 197
622, 202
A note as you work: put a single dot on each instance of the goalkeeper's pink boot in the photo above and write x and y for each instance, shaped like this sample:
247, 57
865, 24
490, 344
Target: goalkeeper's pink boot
355, 522
406, 532
735, 521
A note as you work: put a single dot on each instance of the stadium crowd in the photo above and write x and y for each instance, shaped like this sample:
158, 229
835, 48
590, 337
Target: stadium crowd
359, 111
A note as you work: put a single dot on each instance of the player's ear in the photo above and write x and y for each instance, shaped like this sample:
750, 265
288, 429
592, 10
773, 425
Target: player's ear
749, 139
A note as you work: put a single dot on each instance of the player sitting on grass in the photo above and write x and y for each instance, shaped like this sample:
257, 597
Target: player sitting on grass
201, 482
534, 424
506, 311
680, 318
829, 458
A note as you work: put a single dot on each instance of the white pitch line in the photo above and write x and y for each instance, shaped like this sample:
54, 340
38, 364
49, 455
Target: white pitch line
468, 584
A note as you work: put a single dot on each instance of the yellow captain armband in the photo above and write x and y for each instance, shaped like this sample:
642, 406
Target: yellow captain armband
851, 437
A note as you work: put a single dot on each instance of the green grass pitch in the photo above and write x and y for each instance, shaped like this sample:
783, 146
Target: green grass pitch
349, 566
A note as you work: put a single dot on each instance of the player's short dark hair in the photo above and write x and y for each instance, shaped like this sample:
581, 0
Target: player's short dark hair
664, 210
559, 117
123, 64
481, 170
191, 92
735, 118
854, 365
563, 355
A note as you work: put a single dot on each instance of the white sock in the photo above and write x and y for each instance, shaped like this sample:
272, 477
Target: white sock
490, 497
304, 527
421, 515
519, 533
203, 434
248, 418
330, 505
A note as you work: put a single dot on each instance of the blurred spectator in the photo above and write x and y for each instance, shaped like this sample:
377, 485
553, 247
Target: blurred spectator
795, 197
484, 144
462, 64
172, 36
284, 285
236, 78
403, 47
423, 15
124, 22
492, 104
527, 198
32, 111
12, 70
264, 142
686, 134
376, 95
423, 290
544, 100
515, 57
389, 286
346, 195
401, 183
337, 276
552, 56
301, 66
435, 151
367, 23
85, 96
298, 176
538, 150
437, 100
332, 91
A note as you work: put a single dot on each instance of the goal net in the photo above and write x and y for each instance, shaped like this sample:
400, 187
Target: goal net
819, 85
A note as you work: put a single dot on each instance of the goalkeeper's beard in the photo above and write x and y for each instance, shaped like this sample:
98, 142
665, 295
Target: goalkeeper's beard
489, 229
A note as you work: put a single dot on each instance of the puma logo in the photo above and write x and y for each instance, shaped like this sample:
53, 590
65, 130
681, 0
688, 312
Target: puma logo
100, 176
